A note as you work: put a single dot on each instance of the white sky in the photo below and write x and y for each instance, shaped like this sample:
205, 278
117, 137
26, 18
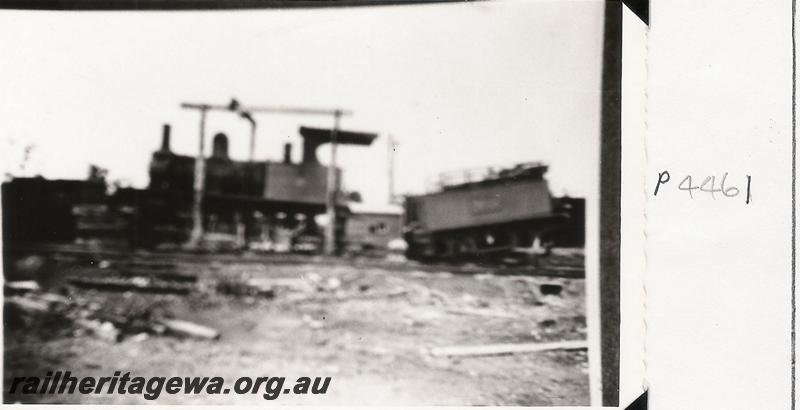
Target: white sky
457, 85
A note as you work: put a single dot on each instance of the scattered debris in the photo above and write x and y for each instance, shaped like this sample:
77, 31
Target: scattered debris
471, 300
165, 276
249, 288
106, 322
396, 258
54, 298
316, 281
361, 295
375, 350
436, 296
333, 283
261, 290
158, 328
104, 330
345, 318
507, 348
547, 323
387, 294
312, 323
536, 335
411, 322
292, 284
550, 289
29, 266
139, 337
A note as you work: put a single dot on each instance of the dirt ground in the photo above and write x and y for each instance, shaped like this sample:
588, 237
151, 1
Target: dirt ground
370, 329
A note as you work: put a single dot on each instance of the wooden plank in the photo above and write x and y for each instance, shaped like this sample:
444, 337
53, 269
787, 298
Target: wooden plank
27, 305
20, 287
165, 276
54, 298
185, 328
326, 297
507, 348
482, 313
116, 285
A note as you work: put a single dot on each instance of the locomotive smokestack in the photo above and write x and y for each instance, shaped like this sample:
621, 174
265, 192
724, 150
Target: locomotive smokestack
287, 153
165, 138
220, 146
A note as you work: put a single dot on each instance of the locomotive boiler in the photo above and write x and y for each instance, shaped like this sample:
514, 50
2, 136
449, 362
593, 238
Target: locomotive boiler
491, 215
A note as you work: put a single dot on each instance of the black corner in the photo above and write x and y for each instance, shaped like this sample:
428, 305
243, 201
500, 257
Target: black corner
640, 403
641, 8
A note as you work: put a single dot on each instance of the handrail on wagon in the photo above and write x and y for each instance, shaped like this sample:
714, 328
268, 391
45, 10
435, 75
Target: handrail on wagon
478, 174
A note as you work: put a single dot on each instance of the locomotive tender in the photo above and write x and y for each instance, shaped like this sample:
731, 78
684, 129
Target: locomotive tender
489, 215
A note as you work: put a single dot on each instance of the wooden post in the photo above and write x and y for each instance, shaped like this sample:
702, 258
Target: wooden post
199, 183
391, 168
252, 121
332, 190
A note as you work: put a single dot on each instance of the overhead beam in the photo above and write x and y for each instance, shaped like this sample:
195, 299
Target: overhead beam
203, 4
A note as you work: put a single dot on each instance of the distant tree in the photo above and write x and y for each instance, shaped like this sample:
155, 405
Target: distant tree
97, 174
16, 158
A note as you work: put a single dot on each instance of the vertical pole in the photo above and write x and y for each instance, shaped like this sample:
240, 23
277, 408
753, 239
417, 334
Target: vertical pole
240, 229
252, 140
391, 169
199, 183
330, 198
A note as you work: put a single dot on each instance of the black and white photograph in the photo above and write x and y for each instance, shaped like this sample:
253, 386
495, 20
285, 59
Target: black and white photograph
344, 205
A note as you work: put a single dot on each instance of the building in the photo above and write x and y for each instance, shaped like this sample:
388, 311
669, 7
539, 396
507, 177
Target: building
372, 227
38, 210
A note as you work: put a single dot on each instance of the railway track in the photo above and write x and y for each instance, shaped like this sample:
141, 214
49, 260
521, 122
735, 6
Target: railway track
167, 262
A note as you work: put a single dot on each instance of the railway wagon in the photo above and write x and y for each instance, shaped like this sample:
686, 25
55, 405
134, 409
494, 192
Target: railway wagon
485, 215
